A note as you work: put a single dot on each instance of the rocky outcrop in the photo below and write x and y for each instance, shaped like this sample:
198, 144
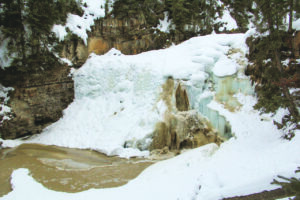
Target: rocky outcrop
38, 100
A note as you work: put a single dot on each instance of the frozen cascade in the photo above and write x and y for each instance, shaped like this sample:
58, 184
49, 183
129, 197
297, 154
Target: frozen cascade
224, 89
117, 98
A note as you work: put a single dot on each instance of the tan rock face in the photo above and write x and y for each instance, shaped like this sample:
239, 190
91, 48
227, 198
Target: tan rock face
129, 35
75, 51
97, 45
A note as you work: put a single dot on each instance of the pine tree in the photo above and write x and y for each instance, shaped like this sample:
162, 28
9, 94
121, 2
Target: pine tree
193, 16
290, 185
181, 14
269, 53
291, 14
241, 12
27, 24
12, 26
132, 8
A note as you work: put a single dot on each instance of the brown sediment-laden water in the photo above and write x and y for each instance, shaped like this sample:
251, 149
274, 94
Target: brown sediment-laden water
68, 170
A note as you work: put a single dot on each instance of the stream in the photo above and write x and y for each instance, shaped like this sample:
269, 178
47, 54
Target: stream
66, 169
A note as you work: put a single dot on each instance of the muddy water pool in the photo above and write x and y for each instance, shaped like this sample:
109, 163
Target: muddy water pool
68, 170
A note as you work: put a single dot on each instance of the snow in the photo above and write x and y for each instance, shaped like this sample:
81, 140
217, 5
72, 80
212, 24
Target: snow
229, 22
80, 25
296, 25
65, 61
117, 103
4, 98
60, 31
165, 24
224, 67
285, 62
5, 59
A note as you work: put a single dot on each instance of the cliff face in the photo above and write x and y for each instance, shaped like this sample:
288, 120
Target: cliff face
37, 100
129, 35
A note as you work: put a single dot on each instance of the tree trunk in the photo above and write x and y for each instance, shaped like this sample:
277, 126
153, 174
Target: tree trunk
285, 90
291, 16
276, 53
22, 31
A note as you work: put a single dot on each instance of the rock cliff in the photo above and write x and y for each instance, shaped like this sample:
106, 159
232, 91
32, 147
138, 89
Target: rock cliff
129, 35
38, 99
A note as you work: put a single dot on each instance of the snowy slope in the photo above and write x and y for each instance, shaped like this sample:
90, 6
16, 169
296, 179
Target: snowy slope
117, 100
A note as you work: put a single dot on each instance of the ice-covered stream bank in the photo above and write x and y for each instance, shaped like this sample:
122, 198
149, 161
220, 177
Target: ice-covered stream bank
118, 100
